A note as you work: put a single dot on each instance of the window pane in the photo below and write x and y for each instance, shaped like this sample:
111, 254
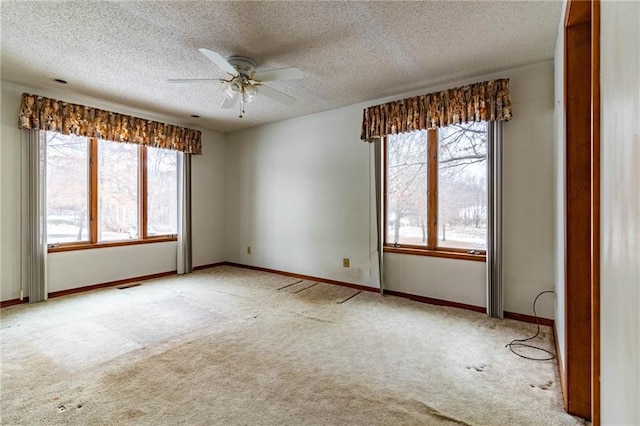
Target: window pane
162, 192
407, 188
462, 186
67, 188
117, 191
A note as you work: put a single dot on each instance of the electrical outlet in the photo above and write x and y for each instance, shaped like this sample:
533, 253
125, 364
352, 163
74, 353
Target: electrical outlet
345, 262
248, 249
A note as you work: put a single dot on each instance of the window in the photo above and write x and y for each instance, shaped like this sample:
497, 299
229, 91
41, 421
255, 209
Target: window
108, 193
407, 201
162, 192
67, 188
118, 170
436, 191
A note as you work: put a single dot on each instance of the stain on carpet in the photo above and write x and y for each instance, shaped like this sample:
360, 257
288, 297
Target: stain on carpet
327, 293
306, 288
124, 287
480, 367
298, 286
243, 381
348, 298
290, 284
544, 386
431, 411
302, 315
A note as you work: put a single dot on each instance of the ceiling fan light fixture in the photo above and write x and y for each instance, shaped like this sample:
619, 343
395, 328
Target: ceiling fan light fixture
233, 89
250, 93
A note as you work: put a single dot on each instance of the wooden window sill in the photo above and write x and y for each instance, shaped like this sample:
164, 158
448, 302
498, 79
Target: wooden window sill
461, 255
87, 246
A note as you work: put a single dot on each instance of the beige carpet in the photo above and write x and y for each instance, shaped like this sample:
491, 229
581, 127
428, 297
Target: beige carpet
229, 346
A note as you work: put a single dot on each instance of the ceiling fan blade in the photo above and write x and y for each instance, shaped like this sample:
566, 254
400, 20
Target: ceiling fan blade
219, 60
228, 102
279, 74
191, 80
276, 95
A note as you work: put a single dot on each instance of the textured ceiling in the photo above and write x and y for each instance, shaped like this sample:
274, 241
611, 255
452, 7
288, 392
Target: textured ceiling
350, 52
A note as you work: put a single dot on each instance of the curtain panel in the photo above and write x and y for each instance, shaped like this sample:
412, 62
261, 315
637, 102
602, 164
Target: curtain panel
33, 216
40, 113
184, 264
486, 101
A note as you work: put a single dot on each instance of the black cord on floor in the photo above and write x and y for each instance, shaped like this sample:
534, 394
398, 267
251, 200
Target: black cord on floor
520, 342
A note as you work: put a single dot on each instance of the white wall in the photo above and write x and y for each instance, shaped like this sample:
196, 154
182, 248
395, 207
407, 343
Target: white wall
74, 269
298, 192
620, 213
80, 268
207, 200
9, 196
440, 278
528, 191
559, 183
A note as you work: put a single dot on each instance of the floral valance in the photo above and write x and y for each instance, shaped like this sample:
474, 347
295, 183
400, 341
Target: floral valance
486, 101
40, 113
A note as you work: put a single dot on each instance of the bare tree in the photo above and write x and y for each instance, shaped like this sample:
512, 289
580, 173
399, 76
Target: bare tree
462, 156
406, 179
117, 187
67, 184
462, 176
162, 197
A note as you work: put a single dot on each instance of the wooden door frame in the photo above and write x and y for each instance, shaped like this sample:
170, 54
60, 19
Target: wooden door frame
581, 375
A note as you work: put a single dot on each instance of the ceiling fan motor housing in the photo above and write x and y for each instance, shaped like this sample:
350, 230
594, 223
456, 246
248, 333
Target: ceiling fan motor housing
245, 66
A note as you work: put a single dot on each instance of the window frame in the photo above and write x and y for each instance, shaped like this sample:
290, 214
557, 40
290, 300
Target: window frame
92, 196
431, 248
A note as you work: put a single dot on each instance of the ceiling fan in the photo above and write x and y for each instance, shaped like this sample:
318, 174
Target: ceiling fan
244, 83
